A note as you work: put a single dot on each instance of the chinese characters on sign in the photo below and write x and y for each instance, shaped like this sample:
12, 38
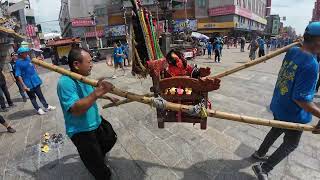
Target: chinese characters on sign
82, 22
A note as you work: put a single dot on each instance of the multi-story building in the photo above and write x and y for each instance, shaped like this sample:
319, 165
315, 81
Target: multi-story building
316, 11
85, 19
22, 10
274, 25
237, 17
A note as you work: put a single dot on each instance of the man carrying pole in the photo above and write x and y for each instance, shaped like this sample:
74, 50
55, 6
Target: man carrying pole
90, 133
292, 100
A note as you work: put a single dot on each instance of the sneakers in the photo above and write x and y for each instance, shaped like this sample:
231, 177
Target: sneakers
24, 99
41, 112
114, 77
259, 172
50, 108
256, 156
11, 130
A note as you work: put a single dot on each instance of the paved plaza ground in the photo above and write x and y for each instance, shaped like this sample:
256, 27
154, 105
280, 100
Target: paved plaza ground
180, 151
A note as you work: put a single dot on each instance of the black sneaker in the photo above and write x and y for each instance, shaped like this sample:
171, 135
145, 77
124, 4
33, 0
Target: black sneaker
11, 130
256, 156
24, 99
259, 172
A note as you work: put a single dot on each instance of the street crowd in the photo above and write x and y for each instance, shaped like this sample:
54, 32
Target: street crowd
257, 45
93, 136
28, 82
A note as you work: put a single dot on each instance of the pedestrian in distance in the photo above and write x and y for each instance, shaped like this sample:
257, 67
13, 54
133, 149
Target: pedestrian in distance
209, 47
253, 46
217, 49
6, 125
292, 100
261, 43
242, 43
268, 43
93, 136
4, 92
204, 47
235, 42
30, 80
118, 58
12, 65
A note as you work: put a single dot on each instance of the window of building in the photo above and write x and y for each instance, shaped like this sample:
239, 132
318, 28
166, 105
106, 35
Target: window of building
202, 3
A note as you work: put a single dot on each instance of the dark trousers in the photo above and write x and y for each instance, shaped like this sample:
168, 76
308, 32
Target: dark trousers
217, 55
4, 91
21, 90
261, 52
32, 95
2, 121
242, 48
93, 146
291, 141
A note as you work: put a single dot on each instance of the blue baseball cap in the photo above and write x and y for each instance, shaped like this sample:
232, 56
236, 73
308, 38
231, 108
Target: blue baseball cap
23, 50
313, 29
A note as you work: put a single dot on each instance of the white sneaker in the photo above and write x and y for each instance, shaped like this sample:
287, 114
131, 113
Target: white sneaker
41, 112
114, 76
50, 108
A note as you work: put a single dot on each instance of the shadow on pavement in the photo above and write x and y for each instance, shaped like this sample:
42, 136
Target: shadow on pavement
16, 100
21, 114
123, 169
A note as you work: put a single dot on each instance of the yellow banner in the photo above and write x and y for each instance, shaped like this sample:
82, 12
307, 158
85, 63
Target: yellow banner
216, 25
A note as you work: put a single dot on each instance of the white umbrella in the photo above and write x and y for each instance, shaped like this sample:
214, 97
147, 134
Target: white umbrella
199, 35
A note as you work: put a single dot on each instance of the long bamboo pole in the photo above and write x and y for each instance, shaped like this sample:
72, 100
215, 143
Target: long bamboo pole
256, 61
249, 64
179, 107
125, 101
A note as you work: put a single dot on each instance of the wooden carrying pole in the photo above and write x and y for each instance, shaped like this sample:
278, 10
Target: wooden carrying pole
178, 107
246, 65
256, 61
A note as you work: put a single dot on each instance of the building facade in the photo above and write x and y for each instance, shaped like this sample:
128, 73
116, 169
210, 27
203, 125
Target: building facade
273, 26
316, 11
237, 17
84, 19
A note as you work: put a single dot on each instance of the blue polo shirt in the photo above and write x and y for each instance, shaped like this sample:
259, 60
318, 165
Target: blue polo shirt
69, 92
261, 43
26, 70
297, 80
117, 59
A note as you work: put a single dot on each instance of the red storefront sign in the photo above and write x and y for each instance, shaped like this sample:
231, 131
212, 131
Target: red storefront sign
30, 31
225, 10
100, 33
244, 12
82, 22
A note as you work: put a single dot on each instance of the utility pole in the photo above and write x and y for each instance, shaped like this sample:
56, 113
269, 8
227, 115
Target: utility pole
93, 18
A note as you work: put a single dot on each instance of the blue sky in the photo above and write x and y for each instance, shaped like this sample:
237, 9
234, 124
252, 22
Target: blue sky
298, 12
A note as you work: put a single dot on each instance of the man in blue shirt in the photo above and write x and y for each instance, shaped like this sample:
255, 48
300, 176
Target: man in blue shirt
292, 100
14, 58
209, 47
92, 135
118, 59
30, 80
261, 43
217, 50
